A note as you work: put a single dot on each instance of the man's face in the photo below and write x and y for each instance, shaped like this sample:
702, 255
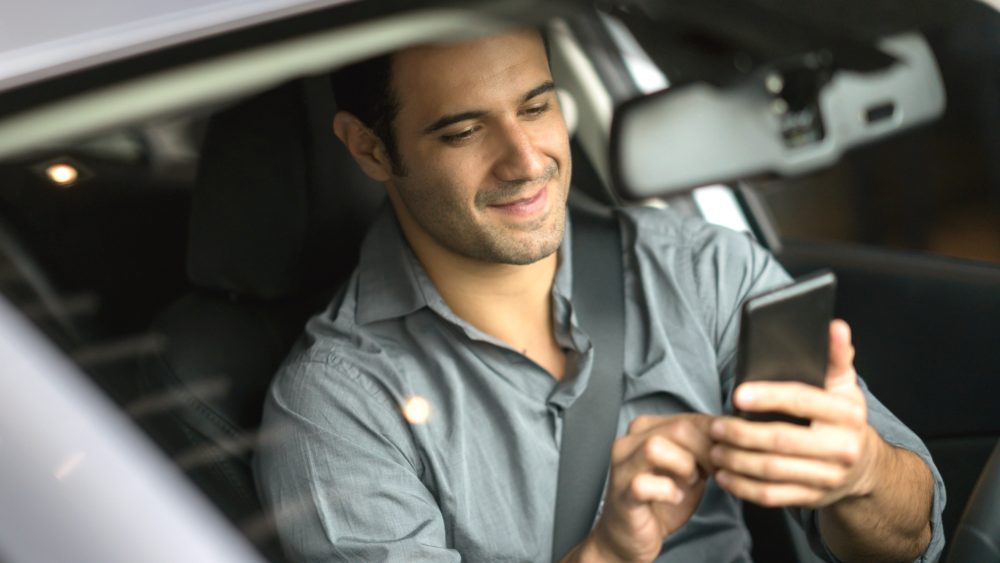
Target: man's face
484, 148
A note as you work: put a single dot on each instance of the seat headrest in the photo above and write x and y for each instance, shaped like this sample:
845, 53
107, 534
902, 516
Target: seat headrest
279, 206
567, 103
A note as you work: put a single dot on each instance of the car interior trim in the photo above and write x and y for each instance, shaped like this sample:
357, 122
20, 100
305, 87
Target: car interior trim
647, 76
61, 469
576, 74
128, 33
232, 75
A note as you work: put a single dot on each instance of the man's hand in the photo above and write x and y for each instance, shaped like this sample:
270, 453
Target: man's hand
874, 499
780, 464
658, 472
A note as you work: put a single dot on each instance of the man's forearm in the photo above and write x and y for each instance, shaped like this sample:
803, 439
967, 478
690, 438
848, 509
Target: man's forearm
892, 522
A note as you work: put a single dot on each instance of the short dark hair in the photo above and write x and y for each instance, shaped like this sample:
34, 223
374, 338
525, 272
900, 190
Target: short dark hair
365, 90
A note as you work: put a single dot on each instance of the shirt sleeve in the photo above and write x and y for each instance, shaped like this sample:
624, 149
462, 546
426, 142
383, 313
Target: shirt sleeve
339, 469
733, 267
729, 267
897, 434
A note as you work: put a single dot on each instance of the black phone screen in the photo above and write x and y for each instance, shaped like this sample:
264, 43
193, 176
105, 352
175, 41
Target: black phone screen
785, 336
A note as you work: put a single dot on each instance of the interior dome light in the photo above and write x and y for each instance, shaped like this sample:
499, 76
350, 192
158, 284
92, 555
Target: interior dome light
62, 174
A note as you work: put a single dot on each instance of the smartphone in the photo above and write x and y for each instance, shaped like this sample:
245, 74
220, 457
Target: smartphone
785, 336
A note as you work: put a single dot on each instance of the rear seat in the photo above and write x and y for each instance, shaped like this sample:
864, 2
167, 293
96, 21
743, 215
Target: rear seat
277, 218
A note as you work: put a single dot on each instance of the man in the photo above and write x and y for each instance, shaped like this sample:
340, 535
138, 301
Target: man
424, 406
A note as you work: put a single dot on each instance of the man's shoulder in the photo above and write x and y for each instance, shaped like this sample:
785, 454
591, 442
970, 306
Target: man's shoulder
697, 256
664, 228
335, 350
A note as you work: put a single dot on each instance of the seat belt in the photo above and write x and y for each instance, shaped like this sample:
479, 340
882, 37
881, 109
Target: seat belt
591, 422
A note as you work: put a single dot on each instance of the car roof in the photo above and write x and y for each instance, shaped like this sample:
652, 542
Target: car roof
40, 39
184, 57
51, 54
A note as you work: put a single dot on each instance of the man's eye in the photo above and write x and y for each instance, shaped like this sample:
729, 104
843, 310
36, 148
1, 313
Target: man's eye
458, 138
535, 111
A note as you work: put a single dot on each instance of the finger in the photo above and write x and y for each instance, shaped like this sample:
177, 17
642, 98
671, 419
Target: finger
689, 431
840, 371
779, 468
624, 447
769, 494
660, 455
841, 347
636, 455
801, 400
644, 422
818, 442
646, 488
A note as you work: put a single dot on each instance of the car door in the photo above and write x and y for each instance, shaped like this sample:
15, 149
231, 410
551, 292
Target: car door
924, 325
925, 329
910, 226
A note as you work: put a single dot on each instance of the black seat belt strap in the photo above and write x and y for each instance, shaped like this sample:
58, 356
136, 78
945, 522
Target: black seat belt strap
590, 423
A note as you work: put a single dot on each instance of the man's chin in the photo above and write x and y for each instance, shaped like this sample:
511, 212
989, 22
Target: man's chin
522, 258
523, 247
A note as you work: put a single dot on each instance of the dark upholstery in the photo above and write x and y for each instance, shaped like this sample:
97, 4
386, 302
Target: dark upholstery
977, 538
279, 207
278, 213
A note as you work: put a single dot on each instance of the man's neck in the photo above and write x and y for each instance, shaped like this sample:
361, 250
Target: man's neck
506, 301
509, 302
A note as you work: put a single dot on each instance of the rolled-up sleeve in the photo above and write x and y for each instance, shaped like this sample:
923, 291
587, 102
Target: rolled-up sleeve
897, 434
339, 469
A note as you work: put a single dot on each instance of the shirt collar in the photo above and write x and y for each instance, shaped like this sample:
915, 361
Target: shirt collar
393, 284
387, 285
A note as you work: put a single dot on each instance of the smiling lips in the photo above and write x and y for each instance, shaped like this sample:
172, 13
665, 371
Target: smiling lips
525, 207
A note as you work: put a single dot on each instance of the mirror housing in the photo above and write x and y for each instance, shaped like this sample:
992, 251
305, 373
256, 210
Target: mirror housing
786, 119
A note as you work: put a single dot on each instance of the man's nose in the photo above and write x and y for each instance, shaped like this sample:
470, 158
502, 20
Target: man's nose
519, 158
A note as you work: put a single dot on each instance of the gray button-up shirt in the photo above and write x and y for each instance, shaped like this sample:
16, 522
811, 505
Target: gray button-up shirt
355, 475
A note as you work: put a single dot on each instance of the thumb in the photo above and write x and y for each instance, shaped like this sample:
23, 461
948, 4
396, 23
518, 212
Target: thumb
840, 374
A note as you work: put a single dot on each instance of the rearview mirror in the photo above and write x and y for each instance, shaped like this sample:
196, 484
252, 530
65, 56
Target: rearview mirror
786, 119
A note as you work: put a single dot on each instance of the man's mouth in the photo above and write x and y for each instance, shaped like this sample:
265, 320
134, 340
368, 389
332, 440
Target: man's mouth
525, 206
522, 201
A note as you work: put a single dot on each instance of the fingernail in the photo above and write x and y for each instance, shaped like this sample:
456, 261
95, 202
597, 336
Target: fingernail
716, 455
746, 395
721, 477
678, 496
718, 429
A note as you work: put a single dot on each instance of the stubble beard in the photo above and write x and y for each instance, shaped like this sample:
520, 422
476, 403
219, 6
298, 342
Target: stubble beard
453, 228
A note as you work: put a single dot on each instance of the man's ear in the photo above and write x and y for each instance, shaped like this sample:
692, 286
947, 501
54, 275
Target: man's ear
366, 148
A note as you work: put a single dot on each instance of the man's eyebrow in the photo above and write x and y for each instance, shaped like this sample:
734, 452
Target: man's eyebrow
542, 88
447, 120
451, 119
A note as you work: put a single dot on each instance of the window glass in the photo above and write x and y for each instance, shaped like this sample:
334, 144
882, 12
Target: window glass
93, 240
95, 248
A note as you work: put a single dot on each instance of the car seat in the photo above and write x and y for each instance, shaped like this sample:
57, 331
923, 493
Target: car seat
278, 213
977, 538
